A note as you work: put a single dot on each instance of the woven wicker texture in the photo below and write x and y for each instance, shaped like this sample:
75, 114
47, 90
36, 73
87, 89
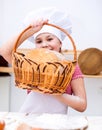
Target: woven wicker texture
42, 70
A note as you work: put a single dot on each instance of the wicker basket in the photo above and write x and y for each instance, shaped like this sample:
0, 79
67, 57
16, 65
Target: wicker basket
50, 77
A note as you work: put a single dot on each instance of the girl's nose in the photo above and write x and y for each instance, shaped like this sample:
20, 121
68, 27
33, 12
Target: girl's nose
44, 44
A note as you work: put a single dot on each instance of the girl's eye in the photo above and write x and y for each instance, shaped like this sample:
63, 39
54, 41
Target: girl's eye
38, 42
49, 39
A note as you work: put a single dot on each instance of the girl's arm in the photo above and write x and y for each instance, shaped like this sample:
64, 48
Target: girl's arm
78, 100
7, 48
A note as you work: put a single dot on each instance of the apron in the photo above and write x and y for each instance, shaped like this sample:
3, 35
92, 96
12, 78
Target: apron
42, 103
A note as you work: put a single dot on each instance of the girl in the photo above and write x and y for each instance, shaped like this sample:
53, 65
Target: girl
50, 38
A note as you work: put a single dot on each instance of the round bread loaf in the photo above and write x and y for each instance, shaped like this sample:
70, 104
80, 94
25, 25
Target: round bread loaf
41, 55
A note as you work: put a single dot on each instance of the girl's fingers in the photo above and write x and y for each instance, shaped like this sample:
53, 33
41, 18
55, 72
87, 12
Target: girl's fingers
39, 22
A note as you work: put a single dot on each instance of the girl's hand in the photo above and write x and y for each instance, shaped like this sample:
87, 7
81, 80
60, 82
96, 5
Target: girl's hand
35, 27
38, 24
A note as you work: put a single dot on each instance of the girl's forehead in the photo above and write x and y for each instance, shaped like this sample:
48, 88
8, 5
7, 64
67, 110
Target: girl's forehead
46, 34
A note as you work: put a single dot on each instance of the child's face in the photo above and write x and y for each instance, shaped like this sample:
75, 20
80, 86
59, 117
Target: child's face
49, 41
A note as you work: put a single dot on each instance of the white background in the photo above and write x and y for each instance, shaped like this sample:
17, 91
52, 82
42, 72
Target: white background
85, 15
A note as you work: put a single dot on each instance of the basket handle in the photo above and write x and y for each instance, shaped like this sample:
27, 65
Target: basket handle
22, 37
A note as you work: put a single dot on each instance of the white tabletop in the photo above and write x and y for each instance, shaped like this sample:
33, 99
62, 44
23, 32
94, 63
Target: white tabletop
52, 121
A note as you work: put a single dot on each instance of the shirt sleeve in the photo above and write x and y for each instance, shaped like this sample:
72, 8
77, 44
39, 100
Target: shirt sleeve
77, 73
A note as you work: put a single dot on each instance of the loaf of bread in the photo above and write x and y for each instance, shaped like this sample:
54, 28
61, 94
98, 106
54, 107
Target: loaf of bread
41, 55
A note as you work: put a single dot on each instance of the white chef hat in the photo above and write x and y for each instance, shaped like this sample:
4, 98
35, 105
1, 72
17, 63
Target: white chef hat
55, 16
